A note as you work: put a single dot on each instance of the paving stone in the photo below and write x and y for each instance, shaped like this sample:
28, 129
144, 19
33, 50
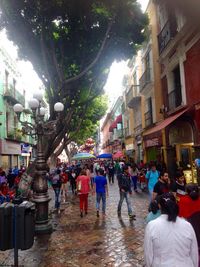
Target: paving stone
89, 241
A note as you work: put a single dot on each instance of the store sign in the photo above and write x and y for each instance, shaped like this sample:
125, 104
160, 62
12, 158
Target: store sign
129, 147
152, 142
9, 148
25, 148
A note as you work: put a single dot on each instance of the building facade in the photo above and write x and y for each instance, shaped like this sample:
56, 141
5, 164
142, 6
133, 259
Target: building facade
15, 148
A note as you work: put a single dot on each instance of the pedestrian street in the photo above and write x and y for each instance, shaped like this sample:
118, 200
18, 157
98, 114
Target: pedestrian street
89, 241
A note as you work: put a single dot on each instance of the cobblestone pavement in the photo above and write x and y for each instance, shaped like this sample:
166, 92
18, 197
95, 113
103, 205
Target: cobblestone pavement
89, 241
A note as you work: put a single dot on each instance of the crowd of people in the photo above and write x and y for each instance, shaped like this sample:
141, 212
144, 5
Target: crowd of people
9, 182
173, 221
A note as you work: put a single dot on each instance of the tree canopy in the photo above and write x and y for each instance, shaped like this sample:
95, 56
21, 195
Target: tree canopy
71, 45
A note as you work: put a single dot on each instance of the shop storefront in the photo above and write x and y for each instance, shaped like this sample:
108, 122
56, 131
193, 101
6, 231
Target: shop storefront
130, 152
180, 138
9, 154
139, 155
152, 147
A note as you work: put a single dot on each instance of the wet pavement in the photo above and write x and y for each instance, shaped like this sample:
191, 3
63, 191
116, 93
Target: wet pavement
89, 241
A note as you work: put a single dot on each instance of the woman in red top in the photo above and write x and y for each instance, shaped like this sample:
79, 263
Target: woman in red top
83, 187
189, 208
190, 203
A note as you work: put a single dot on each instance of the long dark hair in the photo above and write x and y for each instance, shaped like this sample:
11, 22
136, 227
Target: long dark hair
193, 191
169, 206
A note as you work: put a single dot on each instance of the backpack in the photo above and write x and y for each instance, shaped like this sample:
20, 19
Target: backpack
56, 180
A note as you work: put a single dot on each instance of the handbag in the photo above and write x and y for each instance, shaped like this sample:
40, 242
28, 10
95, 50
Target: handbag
79, 186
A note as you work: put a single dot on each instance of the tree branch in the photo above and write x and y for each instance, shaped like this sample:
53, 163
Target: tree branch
95, 60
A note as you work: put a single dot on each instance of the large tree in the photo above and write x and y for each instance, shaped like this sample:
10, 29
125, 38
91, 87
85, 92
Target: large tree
71, 44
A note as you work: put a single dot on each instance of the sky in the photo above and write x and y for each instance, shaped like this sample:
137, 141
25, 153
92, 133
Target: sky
31, 81
113, 87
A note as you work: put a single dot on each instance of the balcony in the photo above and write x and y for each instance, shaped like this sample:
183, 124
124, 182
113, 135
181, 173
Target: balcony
145, 79
175, 99
148, 118
129, 95
15, 134
12, 95
166, 34
127, 132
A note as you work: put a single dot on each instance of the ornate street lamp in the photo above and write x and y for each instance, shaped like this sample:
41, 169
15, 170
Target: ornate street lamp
39, 129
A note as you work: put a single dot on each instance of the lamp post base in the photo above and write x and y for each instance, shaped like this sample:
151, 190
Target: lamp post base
42, 229
42, 224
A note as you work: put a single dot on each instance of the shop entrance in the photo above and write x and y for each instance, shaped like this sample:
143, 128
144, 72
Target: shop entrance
181, 138
185, 157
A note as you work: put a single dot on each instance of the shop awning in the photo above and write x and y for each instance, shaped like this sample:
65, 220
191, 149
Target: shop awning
164, 123
119, 119
112, 126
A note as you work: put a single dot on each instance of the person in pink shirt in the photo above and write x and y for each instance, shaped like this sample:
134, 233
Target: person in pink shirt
83, 187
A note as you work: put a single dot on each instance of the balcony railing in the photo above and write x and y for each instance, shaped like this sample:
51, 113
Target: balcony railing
175, 99
166, 34
145, 79
127, 132
13, 95
148, 118
129, 95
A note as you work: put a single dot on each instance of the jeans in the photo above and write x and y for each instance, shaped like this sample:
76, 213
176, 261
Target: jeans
100, 196
150, 195
134, 180
128, 202
57, 197
111, 178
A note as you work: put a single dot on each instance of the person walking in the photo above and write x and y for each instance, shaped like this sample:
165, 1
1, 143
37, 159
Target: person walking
64, 179
83, 187
101, 189
56, 184
152, 176
124, 183
111, 173
170, 240
133, 171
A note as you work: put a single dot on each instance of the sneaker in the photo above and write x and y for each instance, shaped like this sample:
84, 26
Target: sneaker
97, 213
132, 216
119, 213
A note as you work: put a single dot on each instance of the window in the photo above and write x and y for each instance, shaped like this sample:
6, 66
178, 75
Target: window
148, 113
175, 96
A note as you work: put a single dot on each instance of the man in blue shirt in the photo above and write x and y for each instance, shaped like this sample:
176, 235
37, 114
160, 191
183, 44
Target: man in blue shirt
100, 186
152, 176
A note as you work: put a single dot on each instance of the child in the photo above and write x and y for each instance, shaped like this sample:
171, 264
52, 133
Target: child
142, 180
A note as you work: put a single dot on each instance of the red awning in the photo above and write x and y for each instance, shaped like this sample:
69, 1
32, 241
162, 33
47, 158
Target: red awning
119, 119
112, 126
164, 123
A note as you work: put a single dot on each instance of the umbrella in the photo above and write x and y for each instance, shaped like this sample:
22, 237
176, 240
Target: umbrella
80, 156
105, 156
118, 155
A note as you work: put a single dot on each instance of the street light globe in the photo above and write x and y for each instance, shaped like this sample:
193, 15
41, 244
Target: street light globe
33, 103
18, 108
42, 111
58, 107
38, 95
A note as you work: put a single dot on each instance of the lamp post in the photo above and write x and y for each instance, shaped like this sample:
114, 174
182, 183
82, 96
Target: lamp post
39, 129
